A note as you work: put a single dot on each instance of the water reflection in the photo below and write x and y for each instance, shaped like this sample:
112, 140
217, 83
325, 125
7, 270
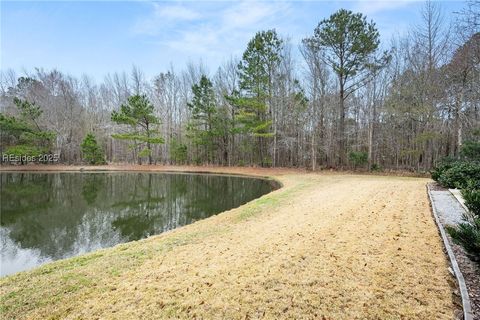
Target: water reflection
50, 216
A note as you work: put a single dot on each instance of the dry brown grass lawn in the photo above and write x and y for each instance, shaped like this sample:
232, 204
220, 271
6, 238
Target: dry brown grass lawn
325, 245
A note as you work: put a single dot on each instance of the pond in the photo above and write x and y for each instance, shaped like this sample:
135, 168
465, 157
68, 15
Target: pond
51, 216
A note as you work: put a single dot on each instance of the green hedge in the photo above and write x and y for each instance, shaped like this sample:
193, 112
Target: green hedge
442, 166
464, 173
456, 174
467, 234
471, 195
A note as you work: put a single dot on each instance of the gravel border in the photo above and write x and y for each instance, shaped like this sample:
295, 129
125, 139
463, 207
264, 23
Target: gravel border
471, 273
458, 195
467, 309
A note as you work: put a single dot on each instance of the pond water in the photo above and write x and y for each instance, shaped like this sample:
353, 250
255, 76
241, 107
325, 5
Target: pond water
50, 216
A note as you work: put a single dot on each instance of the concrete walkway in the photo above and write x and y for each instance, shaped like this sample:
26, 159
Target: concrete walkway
449, 210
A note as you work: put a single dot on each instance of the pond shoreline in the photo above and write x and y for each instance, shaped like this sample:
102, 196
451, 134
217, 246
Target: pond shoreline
308, 249
253, 172
256, 171
105, 208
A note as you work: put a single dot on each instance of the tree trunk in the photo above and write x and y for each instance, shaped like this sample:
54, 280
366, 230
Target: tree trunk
314, 156
371, 133
370, 147
341, 126
274, 144
458, 123
149, 147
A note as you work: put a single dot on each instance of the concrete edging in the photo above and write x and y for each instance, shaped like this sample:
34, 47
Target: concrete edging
458, 195
467, 309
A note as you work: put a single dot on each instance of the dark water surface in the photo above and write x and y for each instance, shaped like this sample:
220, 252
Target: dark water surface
51, 216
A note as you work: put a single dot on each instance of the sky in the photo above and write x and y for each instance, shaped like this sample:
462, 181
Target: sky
101, 37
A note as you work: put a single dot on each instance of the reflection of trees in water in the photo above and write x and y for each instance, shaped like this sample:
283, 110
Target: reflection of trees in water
22, 193
228, 193
91, 186
62, 214
53, 220
135, 227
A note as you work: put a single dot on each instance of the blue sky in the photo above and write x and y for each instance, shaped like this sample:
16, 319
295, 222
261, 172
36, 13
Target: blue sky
97, 38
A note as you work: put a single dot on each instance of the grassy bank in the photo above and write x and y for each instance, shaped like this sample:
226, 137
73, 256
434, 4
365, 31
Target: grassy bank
337, 246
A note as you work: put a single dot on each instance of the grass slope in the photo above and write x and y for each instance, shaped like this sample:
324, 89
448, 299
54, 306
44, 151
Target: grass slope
332, 246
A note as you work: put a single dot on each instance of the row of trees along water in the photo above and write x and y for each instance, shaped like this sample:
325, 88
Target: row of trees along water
342, 99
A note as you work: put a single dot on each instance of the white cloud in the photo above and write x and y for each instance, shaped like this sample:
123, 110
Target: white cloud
175, 12
163, 16
246, 13
226, 29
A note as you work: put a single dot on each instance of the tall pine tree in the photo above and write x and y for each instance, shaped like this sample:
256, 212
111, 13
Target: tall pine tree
23, 135
253, 102
203, 128
348, 44
138, 115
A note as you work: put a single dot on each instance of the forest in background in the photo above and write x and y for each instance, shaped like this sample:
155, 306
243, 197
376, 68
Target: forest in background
399, 105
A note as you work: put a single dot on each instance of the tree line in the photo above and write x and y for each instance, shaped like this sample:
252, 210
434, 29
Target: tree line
346, 101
